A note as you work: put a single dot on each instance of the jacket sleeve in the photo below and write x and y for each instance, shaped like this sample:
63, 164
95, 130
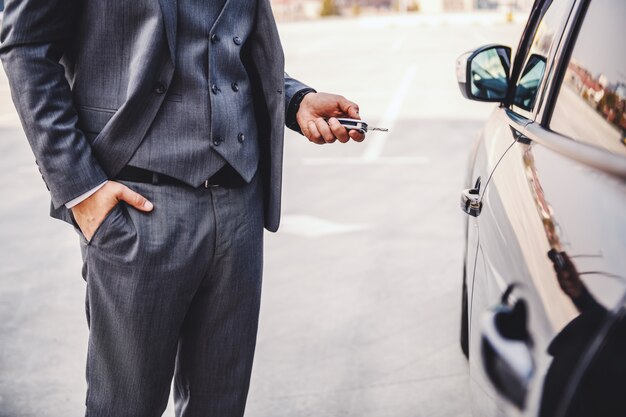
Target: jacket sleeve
294, 93
33, 39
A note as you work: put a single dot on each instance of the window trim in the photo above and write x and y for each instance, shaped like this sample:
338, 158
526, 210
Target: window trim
593, 156
523, 48
539, 130
562, 58
550, 59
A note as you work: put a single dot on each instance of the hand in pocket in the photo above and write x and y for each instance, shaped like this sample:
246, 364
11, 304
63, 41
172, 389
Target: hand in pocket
90, 213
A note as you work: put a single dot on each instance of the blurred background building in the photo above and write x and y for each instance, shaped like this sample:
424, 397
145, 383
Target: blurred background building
310, 9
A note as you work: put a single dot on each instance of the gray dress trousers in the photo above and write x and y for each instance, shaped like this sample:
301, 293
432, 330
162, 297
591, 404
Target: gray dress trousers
174, 292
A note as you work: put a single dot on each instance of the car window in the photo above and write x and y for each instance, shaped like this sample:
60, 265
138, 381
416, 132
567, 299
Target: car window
548, 31
591, 103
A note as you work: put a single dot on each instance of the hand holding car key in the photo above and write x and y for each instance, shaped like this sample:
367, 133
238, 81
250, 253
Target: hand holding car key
359, 125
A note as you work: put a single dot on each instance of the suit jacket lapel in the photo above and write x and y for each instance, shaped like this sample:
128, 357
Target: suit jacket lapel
169, 8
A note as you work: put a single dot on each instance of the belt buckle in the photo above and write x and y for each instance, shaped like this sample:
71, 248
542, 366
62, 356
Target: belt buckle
207, 184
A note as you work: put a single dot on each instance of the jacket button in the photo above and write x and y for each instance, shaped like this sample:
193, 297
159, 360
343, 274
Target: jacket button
237, 40
215, 38
235, 87
159, 88
241, 137
215, 89
217, 141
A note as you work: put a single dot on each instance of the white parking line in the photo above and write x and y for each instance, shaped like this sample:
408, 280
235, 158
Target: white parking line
376, 143
309, 226
393, 160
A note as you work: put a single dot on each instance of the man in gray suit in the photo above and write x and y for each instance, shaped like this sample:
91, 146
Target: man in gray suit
158, 128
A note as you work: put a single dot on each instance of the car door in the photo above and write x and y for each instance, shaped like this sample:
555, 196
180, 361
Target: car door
552, 229
499, 259
582, 129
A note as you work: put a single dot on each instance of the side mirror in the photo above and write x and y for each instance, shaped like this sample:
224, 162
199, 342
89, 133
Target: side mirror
483, 74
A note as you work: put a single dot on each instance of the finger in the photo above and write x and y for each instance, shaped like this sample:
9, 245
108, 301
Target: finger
134, 199
314, 135
349, 108
324, 129
338, 130
357, 136
305, 130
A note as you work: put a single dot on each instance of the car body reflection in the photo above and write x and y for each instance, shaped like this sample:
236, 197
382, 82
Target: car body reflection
600, 387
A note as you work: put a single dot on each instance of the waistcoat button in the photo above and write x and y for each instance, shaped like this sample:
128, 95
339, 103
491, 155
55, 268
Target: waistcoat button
215, 38
235, 87
217, 141
215, 89
241, 137
237, 40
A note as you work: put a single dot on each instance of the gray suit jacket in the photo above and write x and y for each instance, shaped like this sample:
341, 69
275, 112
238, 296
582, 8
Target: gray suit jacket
87, 77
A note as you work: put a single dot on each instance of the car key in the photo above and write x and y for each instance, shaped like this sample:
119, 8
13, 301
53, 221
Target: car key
359, 125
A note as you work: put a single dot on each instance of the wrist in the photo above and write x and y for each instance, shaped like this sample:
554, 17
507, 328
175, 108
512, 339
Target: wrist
76, 201
294, 107
306, 98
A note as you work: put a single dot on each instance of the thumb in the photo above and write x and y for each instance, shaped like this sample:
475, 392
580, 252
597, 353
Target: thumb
135, 199
353, 112
350, 108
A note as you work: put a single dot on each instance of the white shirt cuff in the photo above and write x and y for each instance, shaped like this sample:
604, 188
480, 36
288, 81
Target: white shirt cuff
84, 196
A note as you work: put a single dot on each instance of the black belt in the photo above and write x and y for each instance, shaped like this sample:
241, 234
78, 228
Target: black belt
226, 177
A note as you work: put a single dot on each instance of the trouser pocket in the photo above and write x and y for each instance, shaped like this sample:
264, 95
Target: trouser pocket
114, 213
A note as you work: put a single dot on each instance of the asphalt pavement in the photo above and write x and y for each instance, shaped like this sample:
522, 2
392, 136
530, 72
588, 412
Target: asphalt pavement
360, 310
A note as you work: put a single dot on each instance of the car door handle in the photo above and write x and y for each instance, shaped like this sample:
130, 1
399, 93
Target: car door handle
471, 202
506, 350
